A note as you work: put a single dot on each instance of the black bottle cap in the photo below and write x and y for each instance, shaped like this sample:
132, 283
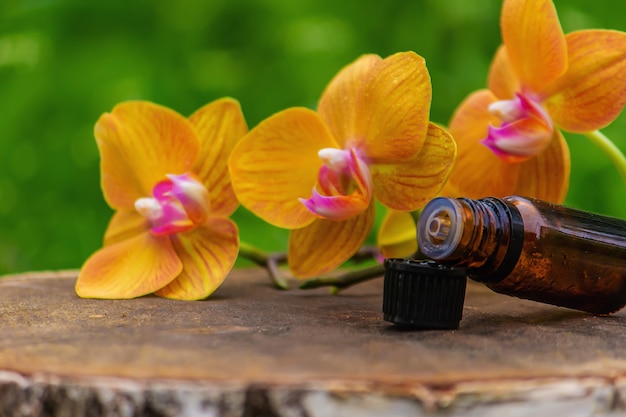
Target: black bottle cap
423, 294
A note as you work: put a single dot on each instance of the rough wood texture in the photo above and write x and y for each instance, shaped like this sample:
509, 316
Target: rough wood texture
252, 350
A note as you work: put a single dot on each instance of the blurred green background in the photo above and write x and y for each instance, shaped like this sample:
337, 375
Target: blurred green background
64, 62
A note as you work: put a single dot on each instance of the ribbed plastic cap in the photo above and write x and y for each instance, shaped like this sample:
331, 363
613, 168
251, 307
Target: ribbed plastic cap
423, 294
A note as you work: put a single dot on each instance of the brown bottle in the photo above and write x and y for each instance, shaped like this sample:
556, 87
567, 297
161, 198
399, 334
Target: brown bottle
531, 249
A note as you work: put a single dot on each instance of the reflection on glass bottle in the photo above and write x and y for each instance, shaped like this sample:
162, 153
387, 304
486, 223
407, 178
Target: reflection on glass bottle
531, 249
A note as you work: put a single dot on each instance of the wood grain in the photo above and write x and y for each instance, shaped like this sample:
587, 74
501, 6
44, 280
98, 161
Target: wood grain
254, 350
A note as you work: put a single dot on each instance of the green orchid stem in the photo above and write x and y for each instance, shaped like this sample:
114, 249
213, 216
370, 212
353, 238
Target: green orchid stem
348, 279
613, 152
269, 262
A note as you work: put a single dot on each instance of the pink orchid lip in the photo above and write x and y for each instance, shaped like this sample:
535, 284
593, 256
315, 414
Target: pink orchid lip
193, 196
337, 207
526, 129
345, 184
179, 203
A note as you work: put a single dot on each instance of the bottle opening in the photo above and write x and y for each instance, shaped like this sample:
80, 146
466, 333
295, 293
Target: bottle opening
440, 227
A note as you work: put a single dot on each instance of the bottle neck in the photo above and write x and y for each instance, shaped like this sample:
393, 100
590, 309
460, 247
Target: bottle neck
484, 236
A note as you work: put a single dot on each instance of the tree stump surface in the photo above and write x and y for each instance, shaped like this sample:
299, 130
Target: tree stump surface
252, 350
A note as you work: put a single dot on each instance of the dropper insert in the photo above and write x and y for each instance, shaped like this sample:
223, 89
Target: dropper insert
439, 226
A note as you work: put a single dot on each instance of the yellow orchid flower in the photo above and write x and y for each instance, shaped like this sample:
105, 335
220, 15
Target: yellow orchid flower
318, 172
540, 82
397, 235
167, 179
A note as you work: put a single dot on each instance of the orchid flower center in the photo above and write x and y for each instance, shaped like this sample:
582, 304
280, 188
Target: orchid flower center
179, 203
344, 185
525, 131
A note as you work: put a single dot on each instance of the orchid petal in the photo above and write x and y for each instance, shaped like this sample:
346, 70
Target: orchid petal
534, 41
336, 207
179, 204
394, 112
324, 245
123, 225
480, 173
164, 219
139, 143
346, 185
470, 121
409, 185
192, 195
129, 268
397, 235
360, 173
520, 140
546, 176
343, 95
220, 125
593, 91
208, 253
331, 182
477, 172
502, 79
277, 163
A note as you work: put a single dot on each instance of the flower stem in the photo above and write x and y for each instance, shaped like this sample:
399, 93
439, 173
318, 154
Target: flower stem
613, 152
345, 280
366, 253
269, 262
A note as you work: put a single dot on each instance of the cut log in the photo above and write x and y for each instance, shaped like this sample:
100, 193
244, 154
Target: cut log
252, 350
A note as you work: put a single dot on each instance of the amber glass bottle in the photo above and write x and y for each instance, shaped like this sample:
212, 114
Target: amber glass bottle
531, 249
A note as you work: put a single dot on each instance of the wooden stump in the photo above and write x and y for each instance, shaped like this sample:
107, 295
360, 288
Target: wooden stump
252, 350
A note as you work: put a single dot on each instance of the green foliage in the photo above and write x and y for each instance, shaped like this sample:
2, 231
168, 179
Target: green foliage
65, 62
